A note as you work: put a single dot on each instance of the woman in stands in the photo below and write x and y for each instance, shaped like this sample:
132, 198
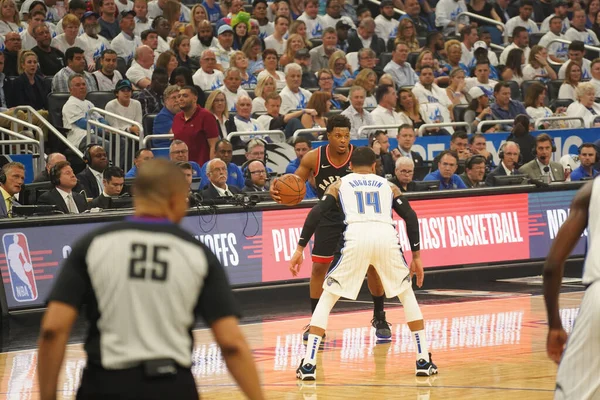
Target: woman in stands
69, 38
181, 47
253, 50
572, 79
217, 105
325, 78
513, 69
266, 84
168, 61
319, 101
596, 26
299, 27
270, 59
409, 109
456, 87
294, 43
584, 107
591, 12
296, 8
534, 103
172, 13
367, 79
9, 17
239, 60
241, 27
339, 66
407, 34
454, 54
387, 79
538, 67
426, 58
199, 14
479, 110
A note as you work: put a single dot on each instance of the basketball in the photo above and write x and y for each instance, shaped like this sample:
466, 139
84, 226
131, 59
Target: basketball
291, 189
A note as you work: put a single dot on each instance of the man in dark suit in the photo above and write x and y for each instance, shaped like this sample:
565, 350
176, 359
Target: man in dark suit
217, 187
90, 179
53, 158
12, 177
406, 139
113, 181
255, 173
62, 196
365, 37
509, 158
541, 167
404, 173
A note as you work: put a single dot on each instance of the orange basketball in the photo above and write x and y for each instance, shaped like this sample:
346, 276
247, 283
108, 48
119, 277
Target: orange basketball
291, 189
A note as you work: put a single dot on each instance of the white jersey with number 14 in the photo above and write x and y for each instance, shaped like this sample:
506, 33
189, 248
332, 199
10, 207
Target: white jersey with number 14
366, 198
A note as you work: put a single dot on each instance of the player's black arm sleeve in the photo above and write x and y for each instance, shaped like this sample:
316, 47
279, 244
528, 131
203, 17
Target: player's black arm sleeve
405, 211
313, 218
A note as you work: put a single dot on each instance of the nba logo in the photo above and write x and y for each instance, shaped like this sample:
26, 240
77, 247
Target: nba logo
20, 267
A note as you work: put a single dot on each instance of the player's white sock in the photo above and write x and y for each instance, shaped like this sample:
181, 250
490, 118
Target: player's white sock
312, 347
421, 344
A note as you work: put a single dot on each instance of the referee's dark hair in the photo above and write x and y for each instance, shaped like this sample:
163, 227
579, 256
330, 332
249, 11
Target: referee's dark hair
338, 121
363, 157
112, 172
159, 181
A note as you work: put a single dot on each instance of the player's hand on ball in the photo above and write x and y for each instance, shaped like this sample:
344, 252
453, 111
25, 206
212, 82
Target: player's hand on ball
296, 262
274, 192
416, 268
555, 344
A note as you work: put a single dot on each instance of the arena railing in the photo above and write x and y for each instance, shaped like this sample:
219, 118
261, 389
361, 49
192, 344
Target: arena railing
424, 127
396, 10
115, 145
494, 122
548, 119
309, 130
371, 127
477, 17
22, 142
250, 135
51, 129
149, 138
586, 46
120, 118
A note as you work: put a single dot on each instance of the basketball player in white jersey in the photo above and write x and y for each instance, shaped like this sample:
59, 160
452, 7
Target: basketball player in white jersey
370, 238
577, 376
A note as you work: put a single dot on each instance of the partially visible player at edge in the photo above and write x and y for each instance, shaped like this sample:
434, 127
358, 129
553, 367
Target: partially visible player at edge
366, 201
143, 280
577, 376
328, 164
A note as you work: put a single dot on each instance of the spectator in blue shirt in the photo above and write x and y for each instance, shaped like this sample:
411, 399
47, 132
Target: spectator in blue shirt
141, 156
164, 119
505, 107
224, 151
179, 151
302, 145
213, 10
446, 172
588, 156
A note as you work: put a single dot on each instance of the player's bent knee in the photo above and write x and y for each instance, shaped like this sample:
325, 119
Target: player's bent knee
412, 311
321, 314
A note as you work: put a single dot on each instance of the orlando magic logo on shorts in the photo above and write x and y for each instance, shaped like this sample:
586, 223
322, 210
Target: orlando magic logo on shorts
20, 267
331, 281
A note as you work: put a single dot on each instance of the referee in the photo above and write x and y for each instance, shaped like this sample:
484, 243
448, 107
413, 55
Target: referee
143, 280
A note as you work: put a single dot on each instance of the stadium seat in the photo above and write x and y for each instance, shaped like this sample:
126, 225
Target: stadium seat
333, 112
121, 65
251, 93
316, 42
148, 124
560, 103
384, 59
56, 101
342, 90
422, 40
412, 59
100, 99
48, 82
534, 38
515, 91
459, 111
554, 88
257, 114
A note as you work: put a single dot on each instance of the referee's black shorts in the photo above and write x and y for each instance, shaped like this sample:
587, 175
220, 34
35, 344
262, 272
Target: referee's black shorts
131, 384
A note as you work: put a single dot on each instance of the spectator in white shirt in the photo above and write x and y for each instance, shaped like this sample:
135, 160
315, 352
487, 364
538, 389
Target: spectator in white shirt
572, 79
149, 38
140, 72
126, 42
265, 86
142, 22
77, 8
446, 13
585, 107
231, 87
28, 41
427, 92
576, 53
243, 120
124, 5
596, 76
276, 41
203, 40
482, 80
69, 38
399, 69
367, 79
560, 11
523, 19
468, 37
386, 26
313, 21
163, 28
384, 113
224, 50
334, 15
10, 18
538, 67
208, 77
293, 97
577, 31
108, 76
534, 104
356, 113
557, 52
94, 43
520, 41
126, 107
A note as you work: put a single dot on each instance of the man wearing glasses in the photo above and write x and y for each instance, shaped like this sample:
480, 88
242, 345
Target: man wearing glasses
446, 172
405, 170
179, 152
12, 43
256, 177
208, 77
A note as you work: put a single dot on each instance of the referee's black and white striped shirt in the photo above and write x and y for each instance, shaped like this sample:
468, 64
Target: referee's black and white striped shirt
144, 280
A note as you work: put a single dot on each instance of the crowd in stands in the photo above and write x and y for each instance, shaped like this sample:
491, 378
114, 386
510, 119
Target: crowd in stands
216, 68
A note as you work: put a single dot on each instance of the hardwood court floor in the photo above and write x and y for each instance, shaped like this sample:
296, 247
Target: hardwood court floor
484, 349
